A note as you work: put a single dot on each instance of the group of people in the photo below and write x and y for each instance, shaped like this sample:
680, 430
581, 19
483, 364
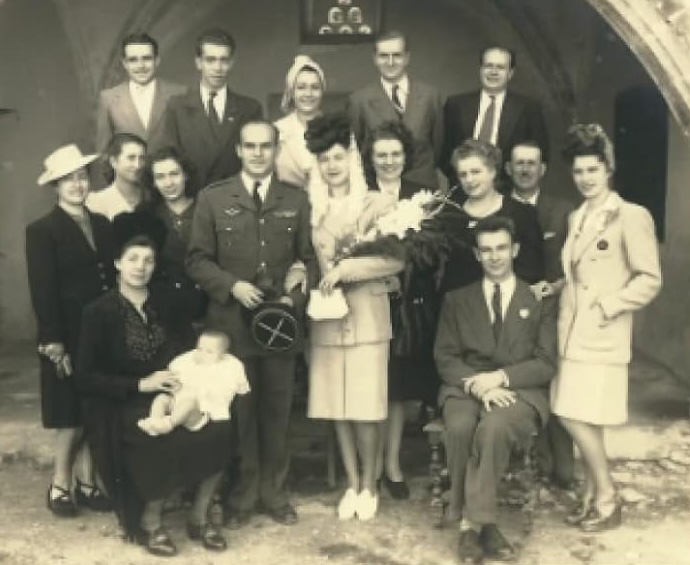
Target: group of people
144, 293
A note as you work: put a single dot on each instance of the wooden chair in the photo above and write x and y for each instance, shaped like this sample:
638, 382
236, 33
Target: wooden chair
522, 472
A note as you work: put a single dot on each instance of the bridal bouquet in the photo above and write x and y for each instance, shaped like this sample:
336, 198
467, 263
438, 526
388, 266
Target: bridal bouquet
406, 231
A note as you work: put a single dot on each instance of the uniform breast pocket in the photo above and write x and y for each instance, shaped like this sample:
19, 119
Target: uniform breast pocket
283, 230
229, 231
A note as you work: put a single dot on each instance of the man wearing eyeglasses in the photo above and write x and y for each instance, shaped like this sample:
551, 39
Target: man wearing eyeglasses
493, 114
136, 105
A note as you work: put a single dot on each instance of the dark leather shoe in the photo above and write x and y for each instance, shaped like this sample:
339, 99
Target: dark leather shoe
469, 549
599, 523
61, 505
92, 497
284, 515
157, 542
397, 489
580, 513
208, 534
495, 545
236, 519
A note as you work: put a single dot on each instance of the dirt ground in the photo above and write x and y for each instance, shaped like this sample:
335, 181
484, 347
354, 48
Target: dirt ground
655, 531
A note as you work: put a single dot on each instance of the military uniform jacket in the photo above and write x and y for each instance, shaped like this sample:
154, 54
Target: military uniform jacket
231, 241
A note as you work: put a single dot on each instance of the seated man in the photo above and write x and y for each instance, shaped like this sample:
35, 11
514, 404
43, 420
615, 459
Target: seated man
496, 353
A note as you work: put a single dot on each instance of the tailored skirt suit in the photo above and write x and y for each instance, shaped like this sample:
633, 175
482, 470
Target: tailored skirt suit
611, 266
348, 363
66, 272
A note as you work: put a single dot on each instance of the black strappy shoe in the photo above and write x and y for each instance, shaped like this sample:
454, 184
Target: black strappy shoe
92, 497
62, 505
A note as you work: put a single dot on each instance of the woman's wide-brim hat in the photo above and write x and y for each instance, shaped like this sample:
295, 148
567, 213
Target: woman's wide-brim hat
64, 161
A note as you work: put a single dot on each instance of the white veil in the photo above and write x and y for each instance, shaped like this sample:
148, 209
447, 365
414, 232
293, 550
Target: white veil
317, 188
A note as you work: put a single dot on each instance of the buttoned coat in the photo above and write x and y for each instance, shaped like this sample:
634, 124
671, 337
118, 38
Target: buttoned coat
231, 241
521, 119
370, 106
614, 271
116, 113
553, 215
66, 273
188, 128
526, 348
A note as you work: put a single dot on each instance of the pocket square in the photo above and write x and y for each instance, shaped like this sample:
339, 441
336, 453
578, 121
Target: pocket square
524, 313
549, 235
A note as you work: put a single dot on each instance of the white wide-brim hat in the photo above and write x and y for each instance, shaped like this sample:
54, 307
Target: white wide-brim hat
62, 162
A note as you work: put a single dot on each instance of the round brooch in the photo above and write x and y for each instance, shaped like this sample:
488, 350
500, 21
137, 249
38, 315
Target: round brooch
602, 245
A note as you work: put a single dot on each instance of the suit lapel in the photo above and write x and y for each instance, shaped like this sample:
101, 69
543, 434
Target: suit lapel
413, 102
239, 194
593, 232
69, 226
469, 116
158, 105
521, 307
509, 114
128, 110
476, 304
227, 126
198, 116
382, 104
274, 195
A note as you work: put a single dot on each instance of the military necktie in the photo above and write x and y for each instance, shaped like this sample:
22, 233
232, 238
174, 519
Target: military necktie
256, 197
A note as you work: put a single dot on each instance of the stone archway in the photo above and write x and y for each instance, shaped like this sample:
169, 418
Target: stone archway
658, 33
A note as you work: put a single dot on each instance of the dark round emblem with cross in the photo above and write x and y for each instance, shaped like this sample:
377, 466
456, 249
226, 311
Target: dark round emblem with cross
273, 326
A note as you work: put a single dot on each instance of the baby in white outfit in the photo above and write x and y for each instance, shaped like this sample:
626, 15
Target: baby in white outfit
210, 378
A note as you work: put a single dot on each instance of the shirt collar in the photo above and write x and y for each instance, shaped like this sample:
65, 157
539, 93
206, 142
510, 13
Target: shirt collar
220, 94
499, 97
403, 85
507, 288
531, 200
139, 88
249, 183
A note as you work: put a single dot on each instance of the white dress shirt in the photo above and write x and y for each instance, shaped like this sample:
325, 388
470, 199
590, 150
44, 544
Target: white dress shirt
249, 183
531, 200
403, 89
142, 96
218, 102
484, 101
507, 291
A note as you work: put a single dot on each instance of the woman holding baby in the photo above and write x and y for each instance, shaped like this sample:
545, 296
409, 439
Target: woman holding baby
129, 337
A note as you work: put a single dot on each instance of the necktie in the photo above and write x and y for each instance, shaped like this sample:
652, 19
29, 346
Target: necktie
256, 197
498, 311
395, 98
488, 122
211, 108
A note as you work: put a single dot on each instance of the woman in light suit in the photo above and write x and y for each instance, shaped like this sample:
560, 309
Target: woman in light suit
611, 265
348, 360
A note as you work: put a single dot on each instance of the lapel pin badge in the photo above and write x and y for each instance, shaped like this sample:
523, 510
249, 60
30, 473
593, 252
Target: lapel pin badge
524, 313
471, 224
602, 245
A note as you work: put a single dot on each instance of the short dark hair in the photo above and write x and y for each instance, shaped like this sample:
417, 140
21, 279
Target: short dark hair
327, 130
139, 38
271, 126
494, 224
215, 36
137, 229
114, 148
511, 53
589, 139
488, 153
392, 34
390, 129
527, 143
164, 154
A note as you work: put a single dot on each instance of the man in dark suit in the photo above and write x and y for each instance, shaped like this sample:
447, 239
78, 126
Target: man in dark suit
396, 97
492, 114
205, 122
136, 105
246, 228
526, 169
496, 353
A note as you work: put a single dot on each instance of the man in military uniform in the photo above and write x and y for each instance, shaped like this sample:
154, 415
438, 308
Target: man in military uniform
246, 229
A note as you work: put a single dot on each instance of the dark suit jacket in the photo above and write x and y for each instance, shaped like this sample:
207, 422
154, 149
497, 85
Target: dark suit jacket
188, 128
66, 273
370, 106
116, 113
521, 119
526, 348
231, 242
553, 215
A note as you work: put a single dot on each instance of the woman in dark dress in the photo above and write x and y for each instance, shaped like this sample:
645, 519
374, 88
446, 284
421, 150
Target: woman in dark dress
387, 153
477, 164
168, 175
69, 256
129, 336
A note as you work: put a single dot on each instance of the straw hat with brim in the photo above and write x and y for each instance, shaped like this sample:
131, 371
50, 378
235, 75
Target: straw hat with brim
62, 162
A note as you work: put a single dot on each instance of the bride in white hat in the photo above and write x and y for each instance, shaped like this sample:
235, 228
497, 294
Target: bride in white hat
70, 261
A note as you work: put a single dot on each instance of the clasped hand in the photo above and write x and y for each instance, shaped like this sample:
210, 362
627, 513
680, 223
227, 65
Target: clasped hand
329, 281
160, 381
487, 388
247, 294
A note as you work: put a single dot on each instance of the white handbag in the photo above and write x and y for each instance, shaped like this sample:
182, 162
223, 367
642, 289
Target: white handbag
332, 306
